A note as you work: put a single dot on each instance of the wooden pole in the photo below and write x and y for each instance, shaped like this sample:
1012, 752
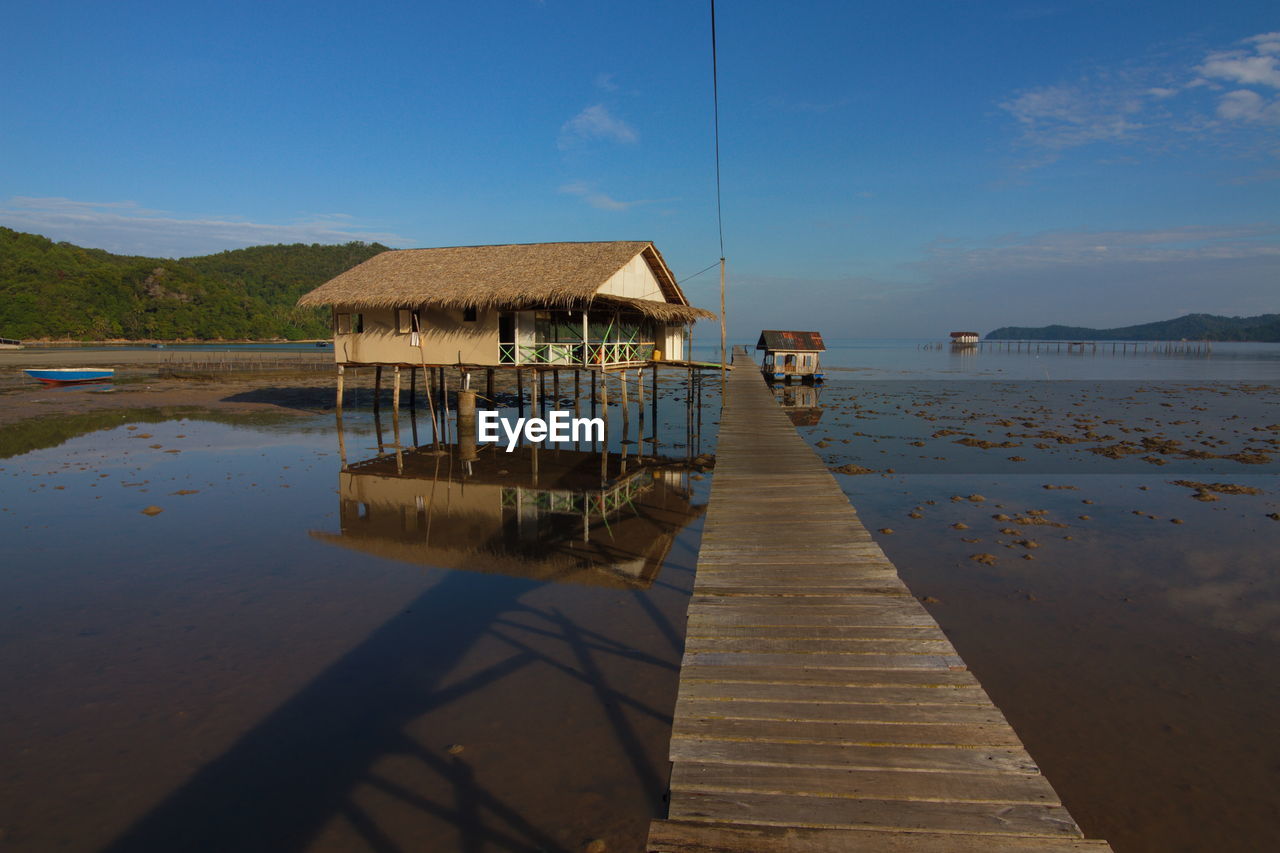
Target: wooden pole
338, 402
488, 386
723, 325
593, 393
520, 390
395, 417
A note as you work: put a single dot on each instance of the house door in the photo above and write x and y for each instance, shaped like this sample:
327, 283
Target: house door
789, 364
506, 338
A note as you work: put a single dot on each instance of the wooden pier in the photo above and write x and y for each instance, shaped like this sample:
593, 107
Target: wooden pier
820, 707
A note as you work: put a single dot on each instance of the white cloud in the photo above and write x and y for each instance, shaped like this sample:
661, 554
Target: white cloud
1258, 66
124, 227
594, 123
1248, 105
1158, 106
601, 201
1083, 248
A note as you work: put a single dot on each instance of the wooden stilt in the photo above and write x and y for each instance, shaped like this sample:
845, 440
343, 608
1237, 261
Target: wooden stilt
377, 387
395, 417
520, 390
338, 401
555, 388
488, 387
593, 392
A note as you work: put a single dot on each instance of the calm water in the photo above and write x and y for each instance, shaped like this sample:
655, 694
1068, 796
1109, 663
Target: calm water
908, 358
453, 653
434, 652
1121, 607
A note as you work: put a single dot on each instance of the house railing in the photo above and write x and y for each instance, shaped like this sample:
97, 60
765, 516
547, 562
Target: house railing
588, 352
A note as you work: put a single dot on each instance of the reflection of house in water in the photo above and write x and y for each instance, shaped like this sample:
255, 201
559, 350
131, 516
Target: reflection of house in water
802, 403
545, 517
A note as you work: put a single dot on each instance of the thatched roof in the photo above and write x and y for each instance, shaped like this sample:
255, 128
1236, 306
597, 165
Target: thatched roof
528, 275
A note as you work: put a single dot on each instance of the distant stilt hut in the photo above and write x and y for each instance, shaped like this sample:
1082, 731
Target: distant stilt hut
964, 338
789, 355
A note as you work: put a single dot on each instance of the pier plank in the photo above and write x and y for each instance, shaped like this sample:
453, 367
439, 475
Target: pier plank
820, 706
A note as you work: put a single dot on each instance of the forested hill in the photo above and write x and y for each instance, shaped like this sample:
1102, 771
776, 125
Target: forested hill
62, 291
1192, 327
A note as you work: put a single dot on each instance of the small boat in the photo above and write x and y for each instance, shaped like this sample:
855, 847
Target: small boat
71, 375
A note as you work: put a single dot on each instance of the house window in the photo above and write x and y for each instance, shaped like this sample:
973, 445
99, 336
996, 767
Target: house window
469, 315
407, 321
345, 324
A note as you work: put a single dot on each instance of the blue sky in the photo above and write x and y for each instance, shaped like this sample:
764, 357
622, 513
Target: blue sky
891, 169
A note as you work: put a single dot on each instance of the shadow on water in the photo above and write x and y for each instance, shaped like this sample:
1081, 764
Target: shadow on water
505, 526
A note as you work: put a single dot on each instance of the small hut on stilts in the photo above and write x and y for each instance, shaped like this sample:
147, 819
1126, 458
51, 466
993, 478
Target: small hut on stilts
598, 306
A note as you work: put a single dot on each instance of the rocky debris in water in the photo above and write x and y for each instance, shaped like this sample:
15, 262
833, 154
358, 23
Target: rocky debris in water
969, 540
852, 469
152, 510
886, 530
1010, 531
1083, 517
986, 445
595, 845
1000, 516
821, 444
1220, 488
1052, 487
1027, 557
985, 559
915, 515
929, 599
976, 499
1017, 459
1274, 516
959, 525
1028, 543
1175, 521
456, 748
186, 492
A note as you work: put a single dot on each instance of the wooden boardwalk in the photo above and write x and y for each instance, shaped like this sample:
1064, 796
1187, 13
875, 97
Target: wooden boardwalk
821, 709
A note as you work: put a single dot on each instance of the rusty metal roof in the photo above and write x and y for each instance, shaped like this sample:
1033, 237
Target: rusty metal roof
772, 340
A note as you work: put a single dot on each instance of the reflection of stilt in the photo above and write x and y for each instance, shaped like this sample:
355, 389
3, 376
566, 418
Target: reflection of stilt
520, 391
604, 445
593, 393
640, 409
377, 408
654, 416
533, 390
342, 442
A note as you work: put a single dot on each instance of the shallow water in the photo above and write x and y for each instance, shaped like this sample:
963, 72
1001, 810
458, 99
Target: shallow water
297, 655
1129, 631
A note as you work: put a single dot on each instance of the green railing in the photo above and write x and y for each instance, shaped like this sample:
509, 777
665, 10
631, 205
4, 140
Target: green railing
590, 352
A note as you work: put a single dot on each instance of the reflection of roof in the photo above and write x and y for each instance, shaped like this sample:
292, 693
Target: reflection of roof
504, 521
563, 275
804, 417
791, 341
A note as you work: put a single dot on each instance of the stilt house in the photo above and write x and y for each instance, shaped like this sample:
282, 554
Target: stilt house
582, 305
791, 354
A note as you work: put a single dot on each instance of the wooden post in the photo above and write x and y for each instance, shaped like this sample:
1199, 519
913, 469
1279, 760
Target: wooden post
542, 393
520, 390
640, 409
338, 403
626, 406
395, 417
488, 386
377, 386
604, 445
413, 388
467, 425
654, 403
593, 393
723, 324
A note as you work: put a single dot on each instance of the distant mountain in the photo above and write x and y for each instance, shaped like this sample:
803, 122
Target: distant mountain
61, 291
1192, 327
